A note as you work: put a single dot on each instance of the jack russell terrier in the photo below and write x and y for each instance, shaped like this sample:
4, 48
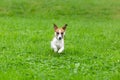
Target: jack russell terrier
57, 44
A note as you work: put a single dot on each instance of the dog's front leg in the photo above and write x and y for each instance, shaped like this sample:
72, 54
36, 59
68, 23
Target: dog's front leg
54, 47
61, 50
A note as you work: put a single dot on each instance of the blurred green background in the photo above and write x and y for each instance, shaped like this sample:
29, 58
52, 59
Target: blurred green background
61, 8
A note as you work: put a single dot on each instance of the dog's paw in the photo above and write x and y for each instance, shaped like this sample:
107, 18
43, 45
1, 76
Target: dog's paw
55, 50
59, 51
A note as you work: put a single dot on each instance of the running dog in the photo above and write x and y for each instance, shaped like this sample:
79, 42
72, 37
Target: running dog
57, 44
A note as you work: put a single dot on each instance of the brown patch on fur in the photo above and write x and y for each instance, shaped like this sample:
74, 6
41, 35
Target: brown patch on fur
61, 29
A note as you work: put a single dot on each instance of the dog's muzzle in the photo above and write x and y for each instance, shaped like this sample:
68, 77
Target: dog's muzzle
59, 38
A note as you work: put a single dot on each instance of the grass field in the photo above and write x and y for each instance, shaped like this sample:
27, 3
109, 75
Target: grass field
92, 41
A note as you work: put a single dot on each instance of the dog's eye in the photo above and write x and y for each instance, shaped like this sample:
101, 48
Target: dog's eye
62, 33
57, 33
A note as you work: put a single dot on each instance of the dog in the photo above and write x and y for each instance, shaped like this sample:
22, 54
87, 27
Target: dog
57, 44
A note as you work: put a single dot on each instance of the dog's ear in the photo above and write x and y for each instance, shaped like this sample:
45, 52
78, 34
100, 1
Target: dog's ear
55, 27
64, 27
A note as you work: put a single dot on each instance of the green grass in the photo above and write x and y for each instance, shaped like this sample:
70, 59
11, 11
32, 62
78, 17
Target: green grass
92, 41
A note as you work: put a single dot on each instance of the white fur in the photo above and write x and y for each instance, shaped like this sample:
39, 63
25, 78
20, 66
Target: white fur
57, 45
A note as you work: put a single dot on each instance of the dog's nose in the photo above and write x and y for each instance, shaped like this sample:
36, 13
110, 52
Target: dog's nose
60, 38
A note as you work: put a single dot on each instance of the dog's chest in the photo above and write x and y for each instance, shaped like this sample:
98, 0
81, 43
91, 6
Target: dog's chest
59, 44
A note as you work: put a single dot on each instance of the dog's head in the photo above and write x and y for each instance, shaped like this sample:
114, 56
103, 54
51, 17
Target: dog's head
59, 32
